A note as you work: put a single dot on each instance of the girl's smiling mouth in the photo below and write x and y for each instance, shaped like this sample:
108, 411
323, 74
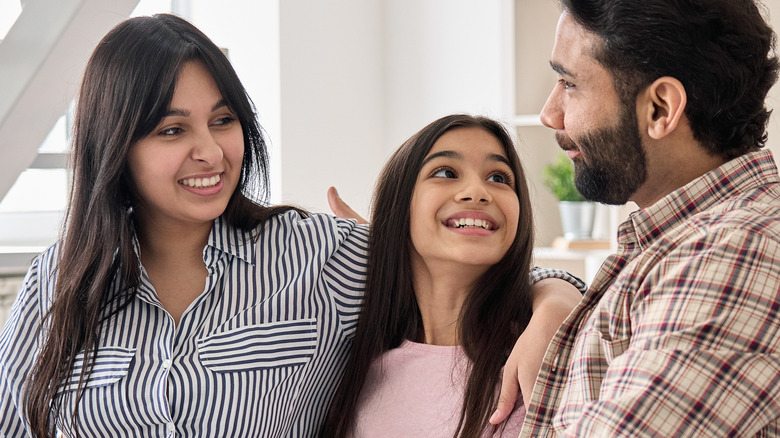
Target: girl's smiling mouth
465, 222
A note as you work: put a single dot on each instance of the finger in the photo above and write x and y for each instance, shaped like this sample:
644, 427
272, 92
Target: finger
508, 396
340, 208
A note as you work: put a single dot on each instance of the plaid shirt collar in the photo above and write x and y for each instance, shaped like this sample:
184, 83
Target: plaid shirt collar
741, 174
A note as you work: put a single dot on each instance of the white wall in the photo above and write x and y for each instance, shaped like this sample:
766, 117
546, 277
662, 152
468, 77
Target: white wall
360, 76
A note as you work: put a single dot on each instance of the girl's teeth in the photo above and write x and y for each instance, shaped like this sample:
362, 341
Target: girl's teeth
469, 222
201, 182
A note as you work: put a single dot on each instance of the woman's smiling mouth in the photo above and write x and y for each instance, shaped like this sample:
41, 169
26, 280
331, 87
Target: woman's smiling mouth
200, 183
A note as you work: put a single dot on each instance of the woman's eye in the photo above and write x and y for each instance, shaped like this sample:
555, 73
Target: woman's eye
224, 120
171, 131
443, 173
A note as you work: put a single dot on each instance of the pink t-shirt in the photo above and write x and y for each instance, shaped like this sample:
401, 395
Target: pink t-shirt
416, 390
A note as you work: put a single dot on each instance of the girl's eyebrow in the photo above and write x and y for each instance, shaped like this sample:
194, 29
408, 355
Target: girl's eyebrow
500, 159
446, 154
456, 156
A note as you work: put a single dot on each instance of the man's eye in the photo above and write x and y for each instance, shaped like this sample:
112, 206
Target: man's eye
566, 84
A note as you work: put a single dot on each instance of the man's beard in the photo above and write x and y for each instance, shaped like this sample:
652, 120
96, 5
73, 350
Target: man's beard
612, 164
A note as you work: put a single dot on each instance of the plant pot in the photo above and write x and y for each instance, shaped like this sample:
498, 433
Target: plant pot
577, 219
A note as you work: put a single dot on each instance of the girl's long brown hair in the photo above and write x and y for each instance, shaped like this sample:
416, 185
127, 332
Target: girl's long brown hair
127, 88
493, 316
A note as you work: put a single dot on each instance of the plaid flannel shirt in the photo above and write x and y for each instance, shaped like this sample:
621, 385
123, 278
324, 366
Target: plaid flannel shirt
679, 333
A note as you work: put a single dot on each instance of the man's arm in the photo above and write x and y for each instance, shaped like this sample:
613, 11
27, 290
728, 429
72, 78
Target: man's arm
702, 350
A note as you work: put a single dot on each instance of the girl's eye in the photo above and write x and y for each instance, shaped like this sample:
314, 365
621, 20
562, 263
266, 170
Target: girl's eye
443, 172
501, 178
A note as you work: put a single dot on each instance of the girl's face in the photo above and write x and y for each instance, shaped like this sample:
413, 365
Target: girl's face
464, 208
186, 170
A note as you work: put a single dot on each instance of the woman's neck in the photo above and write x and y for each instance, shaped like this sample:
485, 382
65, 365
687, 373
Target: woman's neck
440, 294
166, 243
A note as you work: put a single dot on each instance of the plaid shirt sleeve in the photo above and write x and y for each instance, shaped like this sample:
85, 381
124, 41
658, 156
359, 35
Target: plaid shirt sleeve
691, 350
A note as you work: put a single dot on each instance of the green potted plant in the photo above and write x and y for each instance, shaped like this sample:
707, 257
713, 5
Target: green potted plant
576, 212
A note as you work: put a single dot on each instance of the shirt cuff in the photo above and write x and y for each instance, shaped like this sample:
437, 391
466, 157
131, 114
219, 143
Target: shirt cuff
538, 273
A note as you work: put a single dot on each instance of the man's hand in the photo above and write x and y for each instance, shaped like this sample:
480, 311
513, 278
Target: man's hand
553, 300
340, 208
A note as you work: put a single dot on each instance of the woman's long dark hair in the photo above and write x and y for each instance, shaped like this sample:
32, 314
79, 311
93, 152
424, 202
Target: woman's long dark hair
127, 88
493, 315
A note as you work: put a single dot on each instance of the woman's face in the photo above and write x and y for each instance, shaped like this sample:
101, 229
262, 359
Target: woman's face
464, 208
186, 170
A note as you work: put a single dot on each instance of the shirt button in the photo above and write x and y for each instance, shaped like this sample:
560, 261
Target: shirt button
171, 429
166, 363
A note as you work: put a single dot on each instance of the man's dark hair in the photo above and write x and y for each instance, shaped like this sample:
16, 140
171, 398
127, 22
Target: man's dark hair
722, 51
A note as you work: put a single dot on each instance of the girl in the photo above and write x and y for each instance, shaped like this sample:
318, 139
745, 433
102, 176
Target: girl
447, 288
176, 302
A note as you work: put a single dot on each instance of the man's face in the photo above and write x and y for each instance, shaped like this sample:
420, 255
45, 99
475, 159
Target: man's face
597, 131
611, 165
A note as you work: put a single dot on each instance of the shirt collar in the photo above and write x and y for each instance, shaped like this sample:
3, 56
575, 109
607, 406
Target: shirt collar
741, 174
234, 241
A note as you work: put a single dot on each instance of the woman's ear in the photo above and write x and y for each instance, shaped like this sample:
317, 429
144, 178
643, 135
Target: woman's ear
661, 106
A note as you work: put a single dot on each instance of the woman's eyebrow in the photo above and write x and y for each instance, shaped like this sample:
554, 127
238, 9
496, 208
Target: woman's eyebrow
185, 113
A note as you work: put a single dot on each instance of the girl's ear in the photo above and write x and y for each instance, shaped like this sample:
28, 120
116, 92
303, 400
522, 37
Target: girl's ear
661, 106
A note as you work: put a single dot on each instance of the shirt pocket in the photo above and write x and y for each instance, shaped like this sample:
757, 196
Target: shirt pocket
111, 365
260, 346
613, 347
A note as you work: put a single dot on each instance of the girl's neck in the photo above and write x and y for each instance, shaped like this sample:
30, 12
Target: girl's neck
440, 296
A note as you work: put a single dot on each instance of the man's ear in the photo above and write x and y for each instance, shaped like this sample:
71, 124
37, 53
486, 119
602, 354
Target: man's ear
661, 106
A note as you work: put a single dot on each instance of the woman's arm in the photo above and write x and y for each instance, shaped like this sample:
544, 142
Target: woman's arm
553, 300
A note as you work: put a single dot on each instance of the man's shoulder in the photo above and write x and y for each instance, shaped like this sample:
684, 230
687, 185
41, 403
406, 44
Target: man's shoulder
754, 211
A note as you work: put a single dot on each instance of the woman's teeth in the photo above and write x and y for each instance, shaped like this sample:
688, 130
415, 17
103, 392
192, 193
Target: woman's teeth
469, 222
201, 182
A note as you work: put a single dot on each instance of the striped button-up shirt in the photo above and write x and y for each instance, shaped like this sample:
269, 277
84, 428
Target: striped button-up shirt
258, 354
255, 355
679, 333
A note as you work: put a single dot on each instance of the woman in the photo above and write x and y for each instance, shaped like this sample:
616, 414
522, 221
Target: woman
176, 302
447, 288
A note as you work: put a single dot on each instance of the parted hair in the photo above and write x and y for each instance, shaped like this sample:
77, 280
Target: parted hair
496, 311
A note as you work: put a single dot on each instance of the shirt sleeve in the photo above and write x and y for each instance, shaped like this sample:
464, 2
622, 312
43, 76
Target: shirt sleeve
18, 350
345, 272
538, 274
701, 355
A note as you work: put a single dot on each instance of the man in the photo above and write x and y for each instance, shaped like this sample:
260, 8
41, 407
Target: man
661, 102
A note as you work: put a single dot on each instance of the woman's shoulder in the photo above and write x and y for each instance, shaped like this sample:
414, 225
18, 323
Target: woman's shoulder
44, 265
316, 227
